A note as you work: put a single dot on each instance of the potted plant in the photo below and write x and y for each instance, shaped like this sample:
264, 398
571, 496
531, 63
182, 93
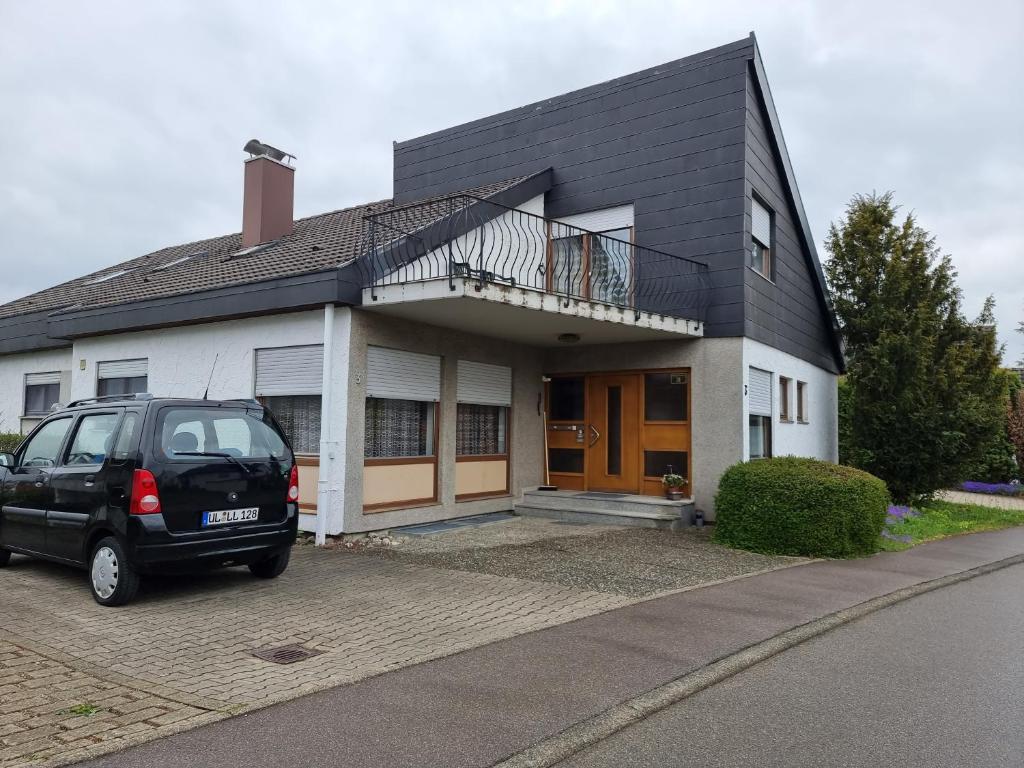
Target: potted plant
674, 485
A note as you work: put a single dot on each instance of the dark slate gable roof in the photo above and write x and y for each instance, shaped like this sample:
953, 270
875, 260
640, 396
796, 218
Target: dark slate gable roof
318, 243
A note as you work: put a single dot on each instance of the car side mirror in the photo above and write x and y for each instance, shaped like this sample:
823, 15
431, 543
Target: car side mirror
6, 459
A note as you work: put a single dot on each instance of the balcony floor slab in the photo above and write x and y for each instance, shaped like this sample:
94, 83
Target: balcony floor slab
522, 315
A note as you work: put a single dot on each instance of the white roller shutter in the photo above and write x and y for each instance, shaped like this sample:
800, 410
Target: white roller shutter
34, 379
290, 370
483, 384
619, 217
759, 392
122, 369
395, 374
761, 223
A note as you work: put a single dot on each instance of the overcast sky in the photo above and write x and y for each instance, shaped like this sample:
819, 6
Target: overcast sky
122, 122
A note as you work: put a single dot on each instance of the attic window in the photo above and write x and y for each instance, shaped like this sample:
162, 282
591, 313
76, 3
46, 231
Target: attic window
176, 262
761, 239
108, 276
251, 251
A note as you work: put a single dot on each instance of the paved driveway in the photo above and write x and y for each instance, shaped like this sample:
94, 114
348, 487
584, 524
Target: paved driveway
74, 675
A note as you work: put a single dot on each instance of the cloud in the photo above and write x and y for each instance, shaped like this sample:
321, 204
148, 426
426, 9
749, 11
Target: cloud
128, 118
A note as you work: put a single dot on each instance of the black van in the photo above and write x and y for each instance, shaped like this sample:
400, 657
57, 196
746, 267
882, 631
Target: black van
132, 485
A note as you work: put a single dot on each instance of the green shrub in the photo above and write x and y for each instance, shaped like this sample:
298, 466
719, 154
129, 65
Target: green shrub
794, 506
9, 441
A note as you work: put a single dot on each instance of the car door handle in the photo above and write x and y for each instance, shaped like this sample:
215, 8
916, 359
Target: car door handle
595, 435
89, 480
40, 483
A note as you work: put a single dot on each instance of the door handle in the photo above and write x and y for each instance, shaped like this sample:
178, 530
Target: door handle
40, 483
595, 436
89, 480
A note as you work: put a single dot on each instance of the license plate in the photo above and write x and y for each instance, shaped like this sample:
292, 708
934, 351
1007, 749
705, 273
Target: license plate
224, 516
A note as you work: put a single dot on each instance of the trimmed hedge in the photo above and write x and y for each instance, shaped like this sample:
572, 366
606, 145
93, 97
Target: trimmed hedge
9, 441
794, 506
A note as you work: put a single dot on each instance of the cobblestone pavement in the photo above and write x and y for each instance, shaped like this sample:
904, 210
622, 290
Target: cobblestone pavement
50, 709
181, 654
984, 499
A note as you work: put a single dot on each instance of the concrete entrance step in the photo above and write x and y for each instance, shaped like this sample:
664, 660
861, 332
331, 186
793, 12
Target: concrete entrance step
607, 508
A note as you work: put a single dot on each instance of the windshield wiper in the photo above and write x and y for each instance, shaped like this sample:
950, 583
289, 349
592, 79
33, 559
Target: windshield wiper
228, 456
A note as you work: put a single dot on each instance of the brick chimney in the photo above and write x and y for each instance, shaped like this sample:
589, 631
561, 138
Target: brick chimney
269, 194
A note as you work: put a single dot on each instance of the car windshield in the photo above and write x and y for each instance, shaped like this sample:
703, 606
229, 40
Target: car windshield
237, 433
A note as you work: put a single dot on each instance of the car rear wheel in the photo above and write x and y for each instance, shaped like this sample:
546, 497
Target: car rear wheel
272, 567
5, 557
112, 580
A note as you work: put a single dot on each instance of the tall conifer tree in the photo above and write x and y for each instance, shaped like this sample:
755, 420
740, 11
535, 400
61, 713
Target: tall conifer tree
925, 395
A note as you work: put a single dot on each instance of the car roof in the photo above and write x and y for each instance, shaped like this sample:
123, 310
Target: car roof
145, 399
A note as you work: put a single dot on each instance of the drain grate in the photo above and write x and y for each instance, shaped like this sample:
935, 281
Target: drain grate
286, 654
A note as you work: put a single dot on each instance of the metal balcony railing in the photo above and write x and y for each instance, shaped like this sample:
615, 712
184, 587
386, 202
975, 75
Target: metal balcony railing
471, 238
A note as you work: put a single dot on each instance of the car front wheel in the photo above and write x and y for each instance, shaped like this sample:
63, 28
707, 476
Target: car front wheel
272, 567
112, 580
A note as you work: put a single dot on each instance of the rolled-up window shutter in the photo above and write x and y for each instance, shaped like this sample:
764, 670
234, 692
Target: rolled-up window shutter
759, 392
483, 384
123, 369
35, 379
619, 217
395, 374
761, 224
290, 370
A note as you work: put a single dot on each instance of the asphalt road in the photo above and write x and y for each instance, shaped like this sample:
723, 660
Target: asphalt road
934, 681
480, 706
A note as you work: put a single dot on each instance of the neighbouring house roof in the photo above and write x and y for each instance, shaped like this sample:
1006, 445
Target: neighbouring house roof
317, 243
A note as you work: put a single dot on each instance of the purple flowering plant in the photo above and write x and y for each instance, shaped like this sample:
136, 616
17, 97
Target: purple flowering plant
1001, 489
897, 514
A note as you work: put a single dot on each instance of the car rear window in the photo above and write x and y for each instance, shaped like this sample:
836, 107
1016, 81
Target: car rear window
237, 432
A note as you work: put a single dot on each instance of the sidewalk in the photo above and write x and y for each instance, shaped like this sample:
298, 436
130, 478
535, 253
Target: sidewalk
481, 706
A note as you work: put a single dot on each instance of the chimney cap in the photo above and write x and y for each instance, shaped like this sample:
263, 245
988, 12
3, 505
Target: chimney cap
257, 148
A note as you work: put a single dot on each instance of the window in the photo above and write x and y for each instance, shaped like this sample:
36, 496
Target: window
484, 394
760, 437
785, 385
289, 381
567, 399
122, 377
125, 445
761, 239
481, 430
801, 402
566, 460
299, 417
661, 463
237, 432
597, 265
42, 449
399, 428
665, 397
93, 439
759, 405
42, 392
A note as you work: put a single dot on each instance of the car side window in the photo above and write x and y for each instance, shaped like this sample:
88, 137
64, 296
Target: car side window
93, 439
42, 449
125, 444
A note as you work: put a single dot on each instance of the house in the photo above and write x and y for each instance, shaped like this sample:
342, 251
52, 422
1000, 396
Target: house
619, 282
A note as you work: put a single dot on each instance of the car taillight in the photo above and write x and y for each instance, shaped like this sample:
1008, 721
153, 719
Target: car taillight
145, 497
293, 484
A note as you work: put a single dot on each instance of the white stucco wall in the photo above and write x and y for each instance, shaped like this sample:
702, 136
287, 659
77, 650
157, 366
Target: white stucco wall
819, 438
12, 383
181, 360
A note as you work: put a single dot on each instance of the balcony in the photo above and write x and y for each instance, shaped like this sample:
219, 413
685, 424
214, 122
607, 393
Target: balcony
469, 263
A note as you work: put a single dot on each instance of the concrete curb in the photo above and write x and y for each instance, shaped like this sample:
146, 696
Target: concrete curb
587, 733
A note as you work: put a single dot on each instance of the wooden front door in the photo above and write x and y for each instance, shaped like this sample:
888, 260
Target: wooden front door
613, 433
